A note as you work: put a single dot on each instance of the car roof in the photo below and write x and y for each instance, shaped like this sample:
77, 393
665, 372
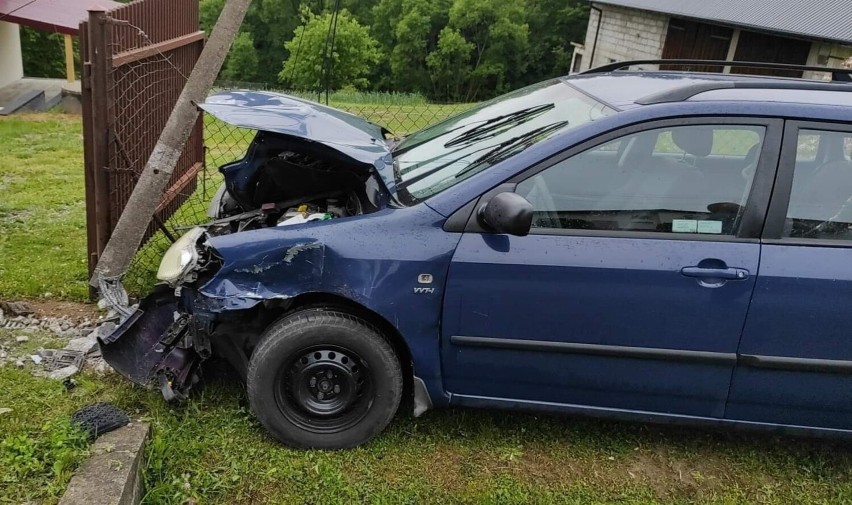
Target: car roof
629, 89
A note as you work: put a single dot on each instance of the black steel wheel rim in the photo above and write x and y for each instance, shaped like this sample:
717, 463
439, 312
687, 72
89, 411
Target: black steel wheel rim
324, 389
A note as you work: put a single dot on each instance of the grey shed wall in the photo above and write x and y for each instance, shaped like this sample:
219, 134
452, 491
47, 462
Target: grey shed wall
625, 34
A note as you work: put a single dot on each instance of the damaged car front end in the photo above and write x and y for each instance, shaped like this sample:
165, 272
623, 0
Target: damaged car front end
306, 163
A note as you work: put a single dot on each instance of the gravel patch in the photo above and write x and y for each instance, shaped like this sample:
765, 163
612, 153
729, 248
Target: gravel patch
24, 329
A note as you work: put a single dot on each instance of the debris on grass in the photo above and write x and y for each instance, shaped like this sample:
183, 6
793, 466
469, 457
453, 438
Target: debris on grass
71, 342
63, 373
84, 345
16, 308
63, 358
99, 418
69, 384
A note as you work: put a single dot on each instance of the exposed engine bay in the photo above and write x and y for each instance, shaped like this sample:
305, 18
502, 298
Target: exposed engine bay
282, 182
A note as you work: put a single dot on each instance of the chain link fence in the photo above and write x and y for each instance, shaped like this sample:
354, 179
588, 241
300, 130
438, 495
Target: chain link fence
223, 143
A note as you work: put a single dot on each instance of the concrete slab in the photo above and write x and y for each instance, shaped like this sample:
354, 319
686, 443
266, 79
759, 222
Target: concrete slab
112, 475
53, 92
31, 100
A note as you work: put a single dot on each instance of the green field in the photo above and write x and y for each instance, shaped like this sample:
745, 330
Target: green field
211, 450
42, 209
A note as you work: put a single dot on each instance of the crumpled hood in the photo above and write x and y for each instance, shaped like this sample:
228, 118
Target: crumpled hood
346, 133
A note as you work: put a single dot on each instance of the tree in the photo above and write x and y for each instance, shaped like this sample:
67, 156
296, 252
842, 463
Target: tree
242, 62
43, 53
449, 65
445, 49
355, 52
270, 24
554, 24
408, 31
208, 13
498, 33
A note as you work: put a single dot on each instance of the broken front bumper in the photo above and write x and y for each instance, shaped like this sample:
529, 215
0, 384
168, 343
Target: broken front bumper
156, 346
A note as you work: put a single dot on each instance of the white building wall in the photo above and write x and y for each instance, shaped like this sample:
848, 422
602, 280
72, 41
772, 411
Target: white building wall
11, 65
625, 34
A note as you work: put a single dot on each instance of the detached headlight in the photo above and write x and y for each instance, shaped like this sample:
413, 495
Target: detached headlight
181, 257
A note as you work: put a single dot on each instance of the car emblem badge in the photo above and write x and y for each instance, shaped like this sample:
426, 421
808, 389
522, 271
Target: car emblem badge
424, 279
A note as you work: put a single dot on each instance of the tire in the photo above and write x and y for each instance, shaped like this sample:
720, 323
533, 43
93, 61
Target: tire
322, 379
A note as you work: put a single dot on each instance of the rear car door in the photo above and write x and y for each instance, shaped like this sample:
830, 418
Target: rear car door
795, 362
632, 288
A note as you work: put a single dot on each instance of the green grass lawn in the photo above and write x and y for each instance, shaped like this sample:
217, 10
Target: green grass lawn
42, 207
39, 448
211, 450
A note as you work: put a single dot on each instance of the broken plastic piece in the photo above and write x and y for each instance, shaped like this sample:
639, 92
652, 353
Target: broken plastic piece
114, 296
63, 358
16, 308
99, 418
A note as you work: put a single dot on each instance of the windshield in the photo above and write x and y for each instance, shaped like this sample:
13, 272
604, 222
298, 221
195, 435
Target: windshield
438, 157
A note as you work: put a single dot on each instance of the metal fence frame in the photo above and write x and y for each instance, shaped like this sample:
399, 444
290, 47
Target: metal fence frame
135, 63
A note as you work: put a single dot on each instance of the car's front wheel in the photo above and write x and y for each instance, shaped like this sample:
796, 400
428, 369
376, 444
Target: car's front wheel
324, 379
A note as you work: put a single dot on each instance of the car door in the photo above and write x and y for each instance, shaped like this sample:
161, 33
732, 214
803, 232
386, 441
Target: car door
796, 353
631, 290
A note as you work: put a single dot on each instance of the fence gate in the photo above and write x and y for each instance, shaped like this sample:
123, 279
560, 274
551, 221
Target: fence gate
136, 61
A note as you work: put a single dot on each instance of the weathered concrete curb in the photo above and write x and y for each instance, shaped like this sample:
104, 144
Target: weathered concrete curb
112, 475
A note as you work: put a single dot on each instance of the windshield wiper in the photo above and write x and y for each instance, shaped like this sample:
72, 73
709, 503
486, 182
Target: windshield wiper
420, 177
508, 146
485, 129
493, 152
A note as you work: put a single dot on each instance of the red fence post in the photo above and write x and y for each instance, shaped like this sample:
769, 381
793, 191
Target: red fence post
100, 58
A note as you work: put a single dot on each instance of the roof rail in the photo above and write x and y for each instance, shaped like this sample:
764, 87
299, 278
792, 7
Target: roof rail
837, 74
690, 90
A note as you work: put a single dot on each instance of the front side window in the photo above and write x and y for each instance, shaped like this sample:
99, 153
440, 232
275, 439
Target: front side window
821, 197
683, 179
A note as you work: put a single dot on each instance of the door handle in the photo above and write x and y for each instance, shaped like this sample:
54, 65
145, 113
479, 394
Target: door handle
728, 274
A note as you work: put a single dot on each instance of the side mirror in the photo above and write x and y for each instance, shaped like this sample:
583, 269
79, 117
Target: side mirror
508, 213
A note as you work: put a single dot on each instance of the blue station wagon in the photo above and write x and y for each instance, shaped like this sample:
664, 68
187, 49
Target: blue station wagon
651, 245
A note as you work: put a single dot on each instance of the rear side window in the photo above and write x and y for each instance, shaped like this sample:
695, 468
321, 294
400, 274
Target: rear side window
821, 197
683, 179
